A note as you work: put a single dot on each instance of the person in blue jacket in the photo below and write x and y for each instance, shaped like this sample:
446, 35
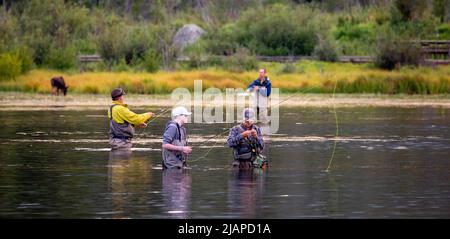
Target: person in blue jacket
262, 88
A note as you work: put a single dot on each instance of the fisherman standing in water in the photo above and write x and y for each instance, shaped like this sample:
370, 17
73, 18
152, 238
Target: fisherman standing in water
122, 121
262, 88
247, 143
175, 149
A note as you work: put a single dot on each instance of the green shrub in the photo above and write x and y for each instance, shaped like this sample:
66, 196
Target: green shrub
151, 62
214, 61
61, 59
10, 66
277, 30
8, 30
138, 42
444, 31
110, 43
347, 31
288, 68
121, 66
223, 41
409, 9
355, 39
441, 9
326, 50
240, 61
41, 46
393, 52
196, 54
26, 59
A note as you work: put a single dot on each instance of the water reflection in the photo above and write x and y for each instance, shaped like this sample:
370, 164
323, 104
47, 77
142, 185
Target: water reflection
245, 190
389, 163
265, 130
128, 176
176, 191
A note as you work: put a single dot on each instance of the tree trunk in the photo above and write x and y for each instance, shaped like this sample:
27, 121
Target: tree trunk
128, 6
201, 5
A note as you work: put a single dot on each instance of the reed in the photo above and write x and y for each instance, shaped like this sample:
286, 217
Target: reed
319, 77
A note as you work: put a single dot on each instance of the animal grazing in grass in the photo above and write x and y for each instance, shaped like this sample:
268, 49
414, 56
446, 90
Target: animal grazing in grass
58, 84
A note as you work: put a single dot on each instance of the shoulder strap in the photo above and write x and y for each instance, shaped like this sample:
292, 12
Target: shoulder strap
179, 131
110, 111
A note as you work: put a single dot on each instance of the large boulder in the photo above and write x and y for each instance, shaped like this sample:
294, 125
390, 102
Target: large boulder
187, 35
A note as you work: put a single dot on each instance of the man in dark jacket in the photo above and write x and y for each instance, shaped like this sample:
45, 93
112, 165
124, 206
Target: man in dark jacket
247, 142
262, 88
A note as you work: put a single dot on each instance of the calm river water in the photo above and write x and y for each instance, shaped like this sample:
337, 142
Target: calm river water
388, 163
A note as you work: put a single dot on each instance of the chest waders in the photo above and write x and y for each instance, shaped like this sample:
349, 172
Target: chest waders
176, 159
258, 160
123, 131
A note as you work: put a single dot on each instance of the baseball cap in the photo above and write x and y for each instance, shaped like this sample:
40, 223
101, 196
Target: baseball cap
117, 92
180, 111
249, 114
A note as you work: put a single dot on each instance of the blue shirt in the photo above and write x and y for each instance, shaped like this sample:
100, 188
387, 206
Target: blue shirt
171, 133
264, 89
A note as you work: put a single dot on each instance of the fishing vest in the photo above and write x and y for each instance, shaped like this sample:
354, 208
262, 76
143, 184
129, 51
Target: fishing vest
244, 151
120, 131
172, 158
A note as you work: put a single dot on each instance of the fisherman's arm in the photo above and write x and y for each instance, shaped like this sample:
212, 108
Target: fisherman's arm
168, 137
184, 149
252, 85
133, 118
234, 138
259, 138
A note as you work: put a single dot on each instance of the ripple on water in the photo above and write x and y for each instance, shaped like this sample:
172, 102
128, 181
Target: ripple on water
109, 149
400, 147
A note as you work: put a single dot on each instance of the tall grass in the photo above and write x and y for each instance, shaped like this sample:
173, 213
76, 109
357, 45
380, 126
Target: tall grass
310, 76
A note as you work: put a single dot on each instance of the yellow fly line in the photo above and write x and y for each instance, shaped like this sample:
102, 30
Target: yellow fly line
337, 128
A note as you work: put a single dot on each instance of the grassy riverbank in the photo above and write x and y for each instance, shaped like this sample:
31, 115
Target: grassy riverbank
32, 101
304, 76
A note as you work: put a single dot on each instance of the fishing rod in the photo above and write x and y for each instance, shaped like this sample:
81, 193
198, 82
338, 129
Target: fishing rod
214, 136
337, 129
209, 139
158, 115
161, 112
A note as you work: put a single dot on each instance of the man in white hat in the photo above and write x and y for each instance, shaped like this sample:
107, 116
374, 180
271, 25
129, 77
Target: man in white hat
174, 147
